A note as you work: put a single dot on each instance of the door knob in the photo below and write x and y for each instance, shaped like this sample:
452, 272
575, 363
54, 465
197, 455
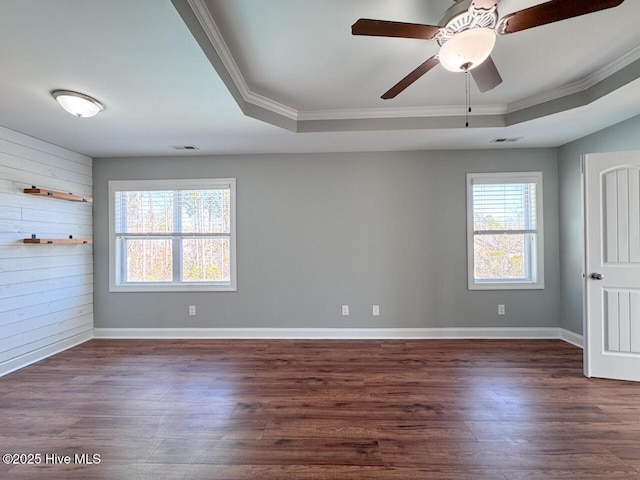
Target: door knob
597, 276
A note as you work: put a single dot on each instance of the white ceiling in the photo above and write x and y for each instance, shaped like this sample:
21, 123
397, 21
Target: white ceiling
298, 59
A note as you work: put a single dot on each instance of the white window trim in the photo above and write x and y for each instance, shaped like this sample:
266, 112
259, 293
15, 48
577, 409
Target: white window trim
178, 184
506, 177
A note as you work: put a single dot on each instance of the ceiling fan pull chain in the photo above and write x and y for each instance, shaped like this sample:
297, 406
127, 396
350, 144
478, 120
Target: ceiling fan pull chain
469, 91
467, 98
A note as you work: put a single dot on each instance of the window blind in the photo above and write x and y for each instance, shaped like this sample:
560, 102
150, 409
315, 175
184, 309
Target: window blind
504, 208
173, 212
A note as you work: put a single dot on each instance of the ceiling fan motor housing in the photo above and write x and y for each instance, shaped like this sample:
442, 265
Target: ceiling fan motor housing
463, 16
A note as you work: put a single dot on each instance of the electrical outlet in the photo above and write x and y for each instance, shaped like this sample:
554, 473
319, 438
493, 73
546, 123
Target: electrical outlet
345, 310
375, 311
192, 309
501, 310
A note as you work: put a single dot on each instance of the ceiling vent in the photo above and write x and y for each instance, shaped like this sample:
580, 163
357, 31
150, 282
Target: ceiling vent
184, 147
506, 140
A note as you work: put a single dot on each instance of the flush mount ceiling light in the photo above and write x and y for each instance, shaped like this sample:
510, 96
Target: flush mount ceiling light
467, 50
78, 104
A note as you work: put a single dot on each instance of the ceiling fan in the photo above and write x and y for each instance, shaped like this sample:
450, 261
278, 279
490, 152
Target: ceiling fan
467, 34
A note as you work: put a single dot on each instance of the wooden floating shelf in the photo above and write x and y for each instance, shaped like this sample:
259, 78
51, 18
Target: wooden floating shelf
61, 195
49, 241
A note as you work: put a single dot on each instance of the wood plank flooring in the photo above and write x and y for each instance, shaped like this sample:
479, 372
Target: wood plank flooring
293, 409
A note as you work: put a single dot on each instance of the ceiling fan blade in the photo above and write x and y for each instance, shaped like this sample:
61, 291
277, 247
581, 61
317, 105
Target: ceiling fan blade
486, 75
384, 28
412, 77
550, 12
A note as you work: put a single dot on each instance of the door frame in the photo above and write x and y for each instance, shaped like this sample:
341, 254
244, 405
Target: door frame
586, 358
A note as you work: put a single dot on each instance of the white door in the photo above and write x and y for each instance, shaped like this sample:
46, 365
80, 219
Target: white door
612, 265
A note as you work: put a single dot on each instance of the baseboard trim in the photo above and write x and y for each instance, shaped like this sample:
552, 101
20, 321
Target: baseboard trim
292, 333
572, 337
337, 333
44, 352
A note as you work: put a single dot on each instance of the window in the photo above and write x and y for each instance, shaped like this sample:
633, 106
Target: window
504, 231
172, 235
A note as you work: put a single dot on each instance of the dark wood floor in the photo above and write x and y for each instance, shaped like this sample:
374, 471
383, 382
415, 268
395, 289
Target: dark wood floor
235, 409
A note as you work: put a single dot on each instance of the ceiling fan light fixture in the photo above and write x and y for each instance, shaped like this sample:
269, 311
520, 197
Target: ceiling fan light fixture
78, 104
467, 50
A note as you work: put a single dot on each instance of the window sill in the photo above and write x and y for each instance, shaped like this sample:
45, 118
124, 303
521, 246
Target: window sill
171, 288
506, 286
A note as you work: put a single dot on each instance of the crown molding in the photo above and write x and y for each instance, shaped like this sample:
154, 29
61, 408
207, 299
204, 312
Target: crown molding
413, 112
214, 35
578, 86
209, 26
329, 120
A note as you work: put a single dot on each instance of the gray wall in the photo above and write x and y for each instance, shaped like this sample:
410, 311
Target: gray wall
319, 230
621, 137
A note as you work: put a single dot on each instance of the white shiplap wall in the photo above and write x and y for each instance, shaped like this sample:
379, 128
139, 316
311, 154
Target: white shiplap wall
46, 291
